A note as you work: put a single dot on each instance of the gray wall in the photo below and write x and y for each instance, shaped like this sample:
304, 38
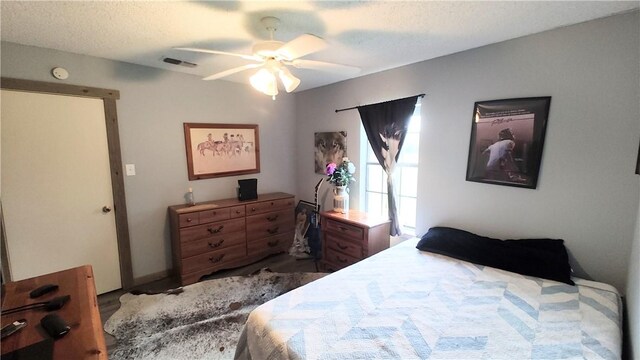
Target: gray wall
152, 107
587, 191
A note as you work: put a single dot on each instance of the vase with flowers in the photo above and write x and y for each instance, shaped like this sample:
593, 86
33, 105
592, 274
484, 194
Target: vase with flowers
340, 176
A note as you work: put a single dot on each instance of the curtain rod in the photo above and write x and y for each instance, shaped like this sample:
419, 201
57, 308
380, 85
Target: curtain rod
355, 107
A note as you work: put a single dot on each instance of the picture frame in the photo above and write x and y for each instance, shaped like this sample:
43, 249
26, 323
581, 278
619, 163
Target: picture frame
507, 137
217, 150
304, 216
328, 147
638, 162
306, 239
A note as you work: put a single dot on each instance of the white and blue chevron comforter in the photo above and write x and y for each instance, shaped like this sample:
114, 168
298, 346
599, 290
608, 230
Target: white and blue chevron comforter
406, 304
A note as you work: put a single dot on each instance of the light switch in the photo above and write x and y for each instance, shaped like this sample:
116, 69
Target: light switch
131, 169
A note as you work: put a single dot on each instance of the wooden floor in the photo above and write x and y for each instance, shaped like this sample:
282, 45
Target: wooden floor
109, 302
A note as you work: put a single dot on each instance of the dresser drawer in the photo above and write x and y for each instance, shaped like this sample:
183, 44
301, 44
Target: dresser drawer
200, 246
213, 258
267, 206
208, 230
343, 229
344, 246
189, 219
265, 225
237, 211
339, 259
272, 244
273, 217
208, 216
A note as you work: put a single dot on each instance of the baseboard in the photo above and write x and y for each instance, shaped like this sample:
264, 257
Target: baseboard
152, 277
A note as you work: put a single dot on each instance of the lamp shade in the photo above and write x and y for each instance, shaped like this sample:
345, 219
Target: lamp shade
289, 81
265, 82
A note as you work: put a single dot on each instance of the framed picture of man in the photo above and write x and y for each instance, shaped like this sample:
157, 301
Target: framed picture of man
507, 137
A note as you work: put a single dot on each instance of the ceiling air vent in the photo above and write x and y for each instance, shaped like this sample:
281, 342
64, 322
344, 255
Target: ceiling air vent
179, 62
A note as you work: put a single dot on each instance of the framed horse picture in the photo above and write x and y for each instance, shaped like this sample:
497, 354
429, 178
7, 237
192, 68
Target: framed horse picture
217, 150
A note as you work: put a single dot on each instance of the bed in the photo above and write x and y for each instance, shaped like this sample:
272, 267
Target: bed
404, 303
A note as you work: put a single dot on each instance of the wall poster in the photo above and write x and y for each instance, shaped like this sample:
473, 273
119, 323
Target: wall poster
216, 150
507, 137
329, 147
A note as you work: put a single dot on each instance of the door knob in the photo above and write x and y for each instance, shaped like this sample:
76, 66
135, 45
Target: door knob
106, 209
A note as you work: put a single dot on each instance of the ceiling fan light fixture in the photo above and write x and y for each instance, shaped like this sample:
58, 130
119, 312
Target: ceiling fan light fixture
274, 56
265, 82
289, 81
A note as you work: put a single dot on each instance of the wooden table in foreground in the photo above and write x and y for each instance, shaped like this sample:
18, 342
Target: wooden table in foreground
84, 341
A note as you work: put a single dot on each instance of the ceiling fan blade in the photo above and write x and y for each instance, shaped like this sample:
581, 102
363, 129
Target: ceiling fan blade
231, 71
301, 46
324, 66
207, 51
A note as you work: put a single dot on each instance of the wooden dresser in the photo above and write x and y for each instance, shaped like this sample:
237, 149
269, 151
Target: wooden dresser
349, 238
227, 233
85, 340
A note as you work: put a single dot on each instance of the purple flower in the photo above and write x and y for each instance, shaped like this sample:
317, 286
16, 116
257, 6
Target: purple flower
331, 168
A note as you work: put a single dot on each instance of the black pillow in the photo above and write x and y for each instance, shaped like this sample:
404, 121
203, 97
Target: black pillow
544, 258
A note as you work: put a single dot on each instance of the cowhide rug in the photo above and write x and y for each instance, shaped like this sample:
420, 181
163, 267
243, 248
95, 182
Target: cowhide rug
204, 321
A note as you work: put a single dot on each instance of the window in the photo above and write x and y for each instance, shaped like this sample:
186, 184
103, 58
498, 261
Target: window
405, 178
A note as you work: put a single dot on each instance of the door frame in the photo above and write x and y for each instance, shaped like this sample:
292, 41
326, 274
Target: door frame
109, 98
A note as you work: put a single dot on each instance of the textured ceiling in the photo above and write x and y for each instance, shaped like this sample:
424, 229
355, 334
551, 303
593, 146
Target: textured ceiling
372, 35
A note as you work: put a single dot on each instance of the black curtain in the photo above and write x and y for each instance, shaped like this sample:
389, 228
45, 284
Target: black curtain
386, 127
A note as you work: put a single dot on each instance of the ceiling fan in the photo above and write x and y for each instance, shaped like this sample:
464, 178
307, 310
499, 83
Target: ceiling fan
274, 57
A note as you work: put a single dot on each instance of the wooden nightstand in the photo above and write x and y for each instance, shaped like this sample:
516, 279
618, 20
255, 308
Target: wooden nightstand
84, 341
349, 238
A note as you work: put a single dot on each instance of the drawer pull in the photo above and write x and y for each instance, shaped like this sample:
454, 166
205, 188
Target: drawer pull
272, 218
343, 247
272, 203
213, 213
273, 230
238, 211
343, 228
189, 219
253, 209
215, 231
216, 259
273, 243
341, 260
213, 246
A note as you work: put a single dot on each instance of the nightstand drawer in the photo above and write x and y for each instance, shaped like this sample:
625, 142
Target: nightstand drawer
197, 247
208, 230
351, 231
345, 246
339, 259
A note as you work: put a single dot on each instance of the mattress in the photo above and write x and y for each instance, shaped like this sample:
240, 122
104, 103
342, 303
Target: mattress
407, 304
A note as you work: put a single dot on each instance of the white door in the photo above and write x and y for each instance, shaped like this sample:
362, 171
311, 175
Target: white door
55, 183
